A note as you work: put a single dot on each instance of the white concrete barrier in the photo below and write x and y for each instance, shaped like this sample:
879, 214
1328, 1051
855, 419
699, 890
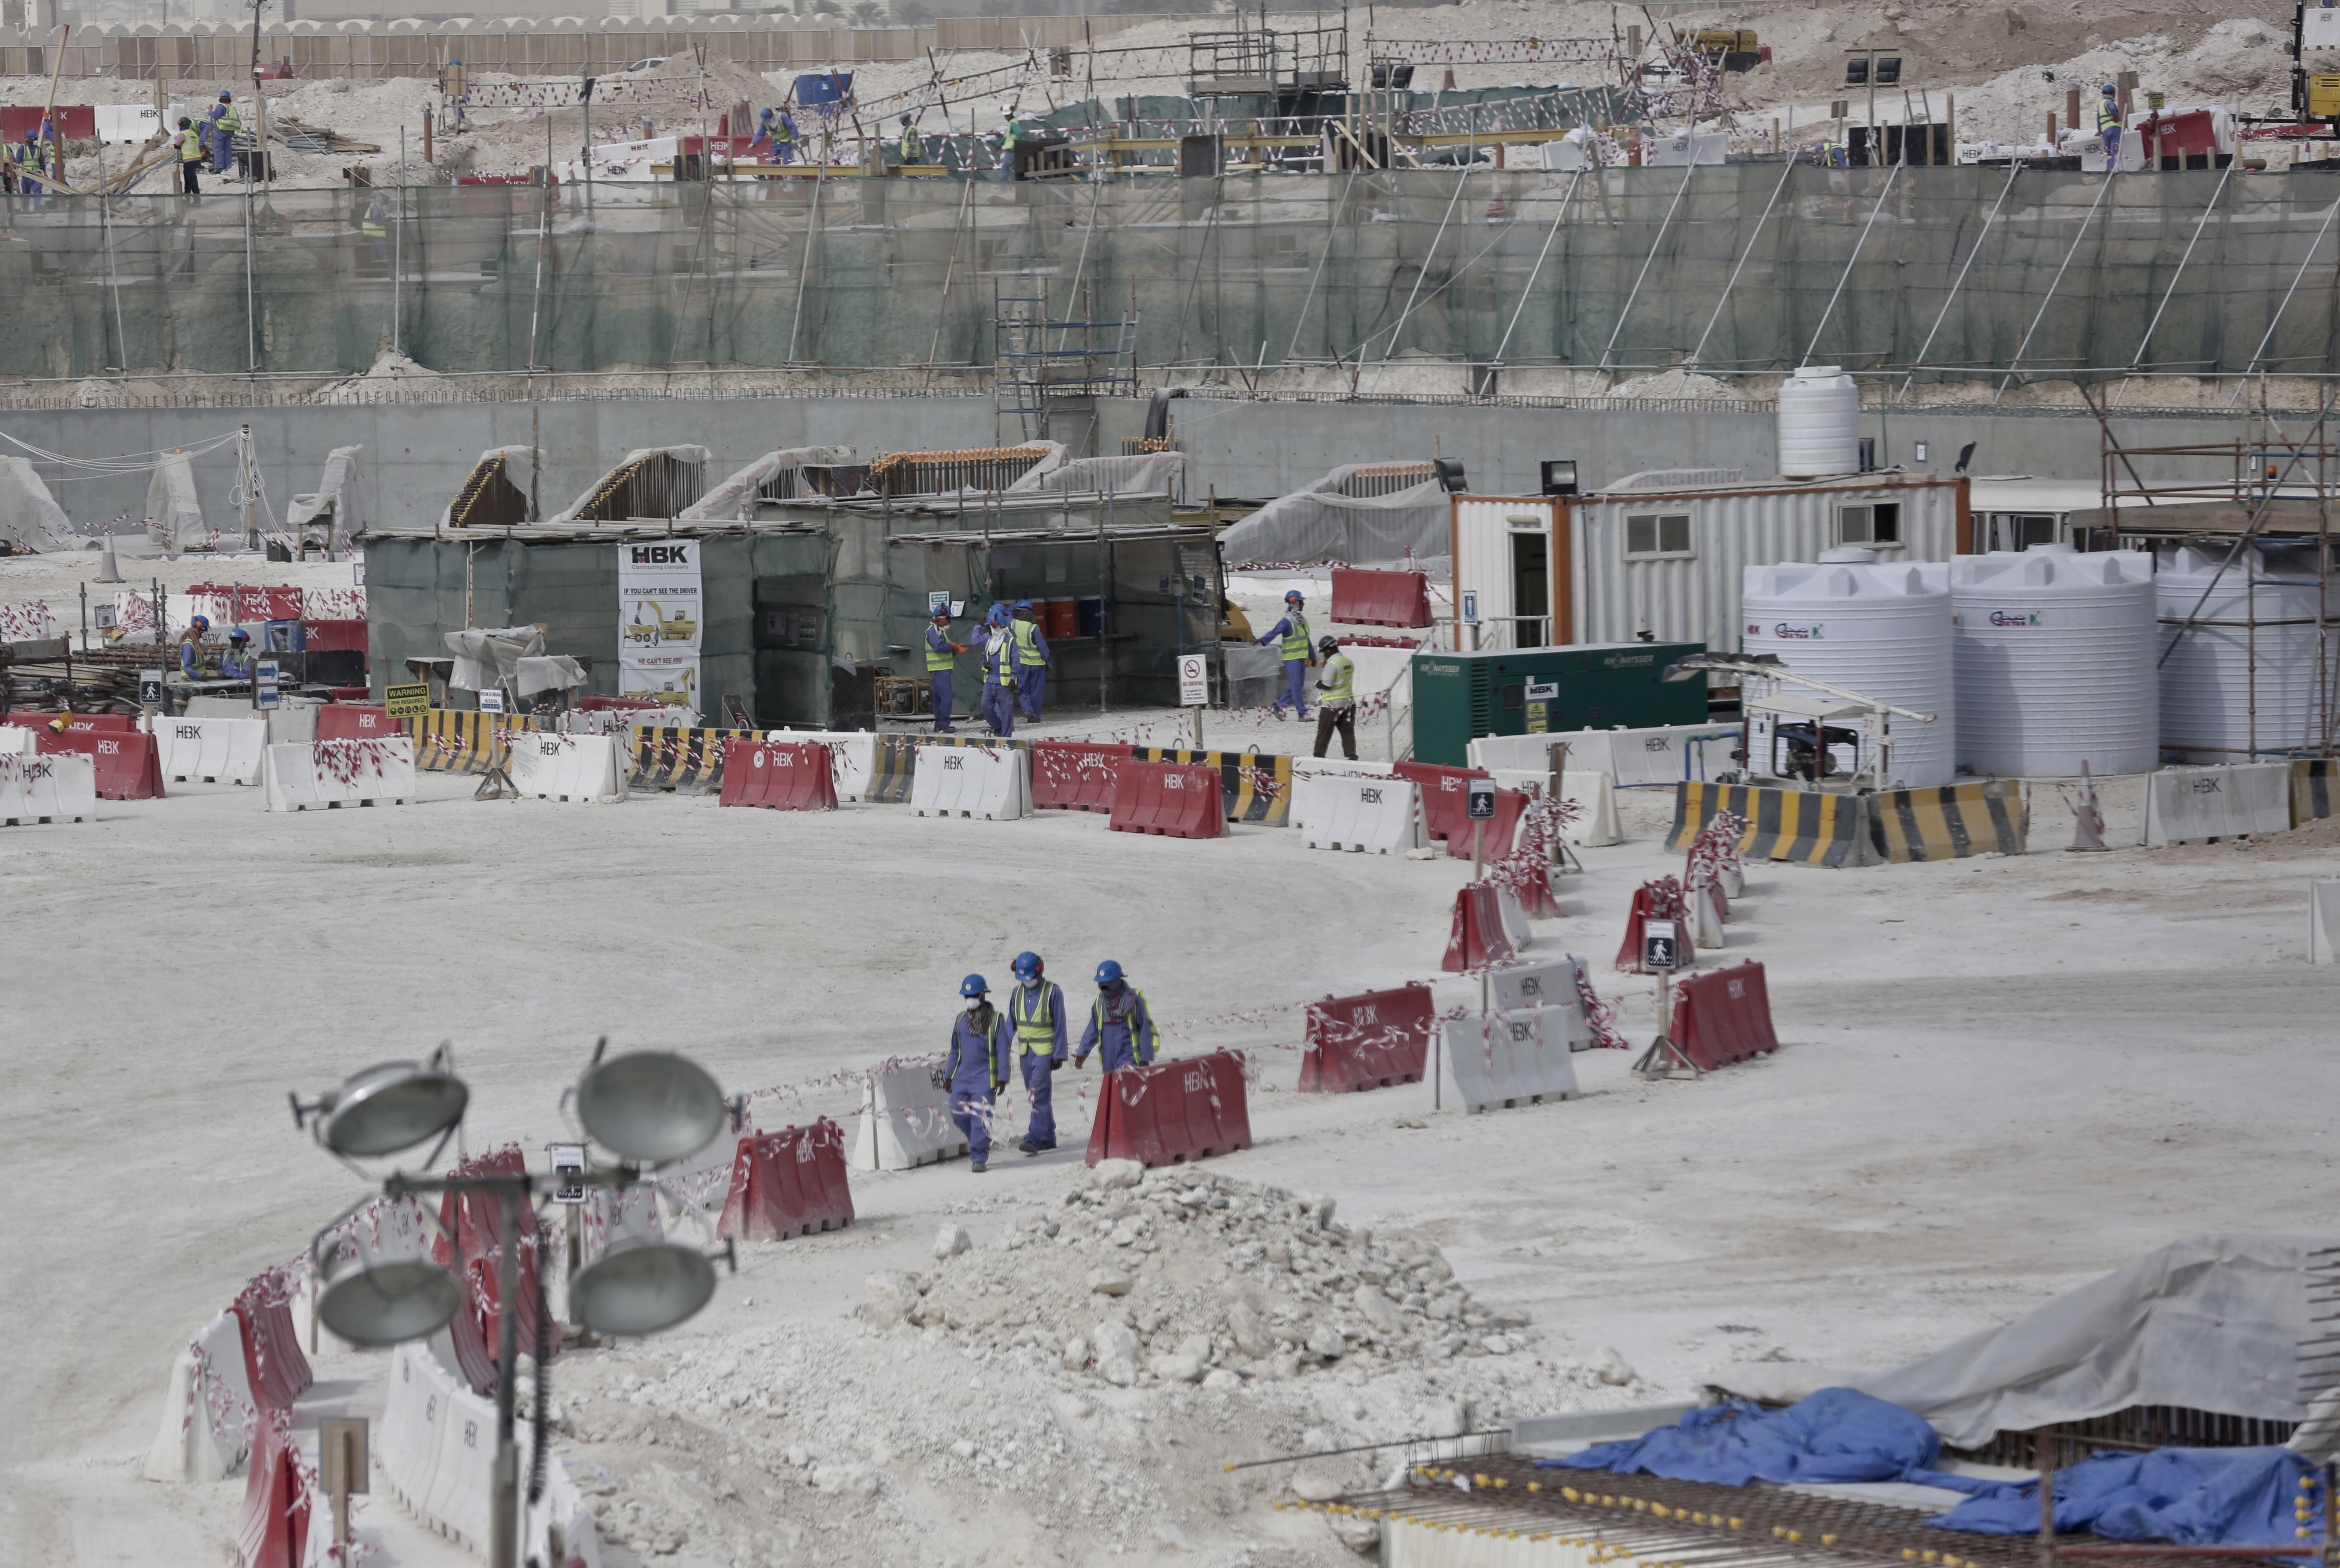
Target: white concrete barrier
852, 756
1515, 916
1596, 826
2322, 921
2187, 805
408, 1444
17, 740
331, 773
1365, 815
1706, 918
972, 781
211, 750
291, 722
1551, 987
589, 769
463, 1476
904, 1121
437, 1449
1506, 1058
1665, 754
208, 1413
57, 788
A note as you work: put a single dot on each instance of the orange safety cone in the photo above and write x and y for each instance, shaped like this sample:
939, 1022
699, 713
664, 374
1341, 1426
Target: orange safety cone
2088, 821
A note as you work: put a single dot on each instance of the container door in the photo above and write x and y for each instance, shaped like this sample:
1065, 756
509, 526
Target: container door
1530, 590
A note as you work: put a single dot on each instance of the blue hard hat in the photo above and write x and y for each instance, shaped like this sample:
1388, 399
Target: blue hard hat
1294, 598
1027, 966
1023, 604
973, 986
2110, 90
201, 623
1108, 972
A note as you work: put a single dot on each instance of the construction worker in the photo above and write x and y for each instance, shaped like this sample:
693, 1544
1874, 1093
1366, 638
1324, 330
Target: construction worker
999, 672
1007, 140
976, 1068
1291, 635
223, 133
194, 662
189, 144
1036, 1008
914, 147
375, 226
32, 160
241, 662
2108, 125
1336, 703
1032, 660
782, 128
1120, 1029
942, 656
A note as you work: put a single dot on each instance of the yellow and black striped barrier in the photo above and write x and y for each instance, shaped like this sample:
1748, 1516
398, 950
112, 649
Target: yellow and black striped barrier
1948, 822
1802, 827
890, 771
681, 759
1255, 786
453, 740
2312, 792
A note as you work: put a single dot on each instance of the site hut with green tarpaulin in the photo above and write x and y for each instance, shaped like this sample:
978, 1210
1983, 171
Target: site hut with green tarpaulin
799, 610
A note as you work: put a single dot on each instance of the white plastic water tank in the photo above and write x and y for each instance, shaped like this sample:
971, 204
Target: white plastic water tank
2228, 688
1819, 423
2055, 654
1882, 630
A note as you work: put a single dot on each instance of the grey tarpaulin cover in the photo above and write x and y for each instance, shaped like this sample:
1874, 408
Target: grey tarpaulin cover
722, 503
1320, 523
519, 471
2211, 1323
512, 657
30, 516
684, 454
175, 517
1134, 473
336, 493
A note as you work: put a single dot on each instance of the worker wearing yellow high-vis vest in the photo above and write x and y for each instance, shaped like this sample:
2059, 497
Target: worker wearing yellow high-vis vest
1036, 1010
942, 660
999, 672
190, 142
1336, 699
2108, 125
1290, 637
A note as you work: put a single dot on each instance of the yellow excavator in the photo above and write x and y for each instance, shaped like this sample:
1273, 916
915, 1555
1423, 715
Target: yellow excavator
657, 628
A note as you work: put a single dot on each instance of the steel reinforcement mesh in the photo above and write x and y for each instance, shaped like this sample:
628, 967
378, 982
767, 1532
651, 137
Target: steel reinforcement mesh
1740, 267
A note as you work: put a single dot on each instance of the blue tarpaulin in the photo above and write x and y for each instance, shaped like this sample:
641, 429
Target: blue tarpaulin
2198, 1496
1836, 1434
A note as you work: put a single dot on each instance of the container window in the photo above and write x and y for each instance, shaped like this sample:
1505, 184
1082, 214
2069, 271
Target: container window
1657, 533
1877, 524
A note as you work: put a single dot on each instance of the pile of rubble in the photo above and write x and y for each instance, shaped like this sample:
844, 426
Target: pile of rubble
1182, 1275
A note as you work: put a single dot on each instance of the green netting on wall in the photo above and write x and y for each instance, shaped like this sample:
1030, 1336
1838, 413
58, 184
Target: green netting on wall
1732, 267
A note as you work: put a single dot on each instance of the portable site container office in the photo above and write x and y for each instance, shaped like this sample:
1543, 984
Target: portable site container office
1616, 566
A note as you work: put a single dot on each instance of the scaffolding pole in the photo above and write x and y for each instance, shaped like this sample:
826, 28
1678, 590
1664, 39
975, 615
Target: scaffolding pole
2014, 364
1851, 262
2304, 263
2014, 169
2136, 361
1698, 354
1528, 287
1647, 261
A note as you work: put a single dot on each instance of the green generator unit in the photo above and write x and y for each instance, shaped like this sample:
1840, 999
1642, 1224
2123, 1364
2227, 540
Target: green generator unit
1459, 697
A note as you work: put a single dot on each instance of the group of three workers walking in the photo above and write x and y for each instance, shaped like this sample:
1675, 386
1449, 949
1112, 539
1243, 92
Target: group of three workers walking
990, 1048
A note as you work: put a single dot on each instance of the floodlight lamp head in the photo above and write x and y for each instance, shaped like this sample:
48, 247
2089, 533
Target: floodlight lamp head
389, 1303
387, 1109
643, 1287
649, 1106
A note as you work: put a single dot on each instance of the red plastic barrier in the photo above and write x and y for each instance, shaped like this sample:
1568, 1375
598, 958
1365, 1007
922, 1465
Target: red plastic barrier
477, 1221
1172, 1111
245, 605
1355, 641
1179, 799
334, 636
1478, 938
785, 775
787, 1183
1723, 1016
348, 693
1380, 598
1442, 805
272, 1529
1502, 828
128, 766
75, 122
2177, 135
1068, 776
1655, 900
273, 1362
1368, 1041
352, 722
110, 723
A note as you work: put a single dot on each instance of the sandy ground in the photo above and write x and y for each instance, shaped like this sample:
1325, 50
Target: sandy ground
2000, 1077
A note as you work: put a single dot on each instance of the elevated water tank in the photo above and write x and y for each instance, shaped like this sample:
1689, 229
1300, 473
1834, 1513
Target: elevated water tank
2230, 688
1882, 630
1819, 422
2055, 655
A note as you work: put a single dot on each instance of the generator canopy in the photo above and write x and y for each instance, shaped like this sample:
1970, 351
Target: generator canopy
1329, 521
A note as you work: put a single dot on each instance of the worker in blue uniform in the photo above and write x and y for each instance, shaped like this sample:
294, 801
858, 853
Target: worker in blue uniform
1120, 1029
942, 656
194, 662
242, 660
976, 1066
1036, 1008
225, 122
999, 672
1032, 660
2108, 125
1290, 637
